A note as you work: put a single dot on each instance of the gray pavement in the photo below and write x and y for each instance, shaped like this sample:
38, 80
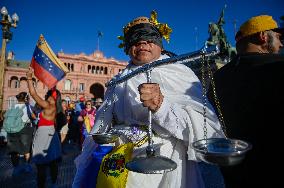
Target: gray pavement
66, 173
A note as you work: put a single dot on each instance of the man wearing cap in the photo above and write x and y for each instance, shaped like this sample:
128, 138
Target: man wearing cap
175, 99
249, 91
98, 103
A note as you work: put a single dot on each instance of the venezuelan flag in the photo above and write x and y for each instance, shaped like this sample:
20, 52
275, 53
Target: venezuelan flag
113, 173
47, 67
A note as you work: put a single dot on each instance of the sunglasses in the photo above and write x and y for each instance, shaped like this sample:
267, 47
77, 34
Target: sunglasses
88, 104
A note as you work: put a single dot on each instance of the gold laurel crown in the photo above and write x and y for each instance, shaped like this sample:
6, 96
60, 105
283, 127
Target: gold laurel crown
163, 28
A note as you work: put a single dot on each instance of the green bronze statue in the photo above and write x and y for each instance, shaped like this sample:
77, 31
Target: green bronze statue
218, 37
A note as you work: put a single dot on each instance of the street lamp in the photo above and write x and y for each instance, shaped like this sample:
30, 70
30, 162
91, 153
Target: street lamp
6, 23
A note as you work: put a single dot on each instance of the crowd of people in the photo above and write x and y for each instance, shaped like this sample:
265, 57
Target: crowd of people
247, 90
48, 125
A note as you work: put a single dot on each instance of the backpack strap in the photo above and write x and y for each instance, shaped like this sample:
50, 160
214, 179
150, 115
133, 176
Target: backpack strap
22, 108
29, 111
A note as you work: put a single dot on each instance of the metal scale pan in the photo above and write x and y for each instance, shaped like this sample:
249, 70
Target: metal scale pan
151, 165
221, 151
104, 138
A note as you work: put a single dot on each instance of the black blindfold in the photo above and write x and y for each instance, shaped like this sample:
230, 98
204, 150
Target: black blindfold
143, 31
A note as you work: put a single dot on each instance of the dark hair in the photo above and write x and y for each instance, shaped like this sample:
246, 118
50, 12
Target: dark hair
57, 100
22, 97
89, 101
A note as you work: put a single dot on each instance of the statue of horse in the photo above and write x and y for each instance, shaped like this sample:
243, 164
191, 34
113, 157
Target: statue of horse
214, 34
218, 37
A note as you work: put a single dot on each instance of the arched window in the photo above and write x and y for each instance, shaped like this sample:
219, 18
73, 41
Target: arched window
105, 72
23, 82
67, 85
93, 69
14, 82
81, 87
90, 69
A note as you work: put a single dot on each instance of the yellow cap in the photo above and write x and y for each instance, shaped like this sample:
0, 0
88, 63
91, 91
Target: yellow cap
257, 24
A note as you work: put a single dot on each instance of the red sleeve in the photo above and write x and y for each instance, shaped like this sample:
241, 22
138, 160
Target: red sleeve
83, 113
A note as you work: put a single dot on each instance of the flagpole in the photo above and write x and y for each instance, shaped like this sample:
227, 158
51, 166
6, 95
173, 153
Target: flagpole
98, 47
100, 34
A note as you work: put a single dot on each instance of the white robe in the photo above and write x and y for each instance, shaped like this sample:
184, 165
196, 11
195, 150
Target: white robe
178, 122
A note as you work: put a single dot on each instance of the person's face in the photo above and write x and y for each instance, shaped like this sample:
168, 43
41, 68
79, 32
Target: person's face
274, 43
98, 103
144, 52
88, 105
51, 100
64, 105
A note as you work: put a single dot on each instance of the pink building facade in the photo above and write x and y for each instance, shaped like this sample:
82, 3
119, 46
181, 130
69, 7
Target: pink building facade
86, 78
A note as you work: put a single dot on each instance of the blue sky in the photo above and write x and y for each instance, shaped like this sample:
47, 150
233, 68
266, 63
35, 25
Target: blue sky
72, 25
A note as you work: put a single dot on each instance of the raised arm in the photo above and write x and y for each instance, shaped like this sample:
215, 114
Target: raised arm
32, 91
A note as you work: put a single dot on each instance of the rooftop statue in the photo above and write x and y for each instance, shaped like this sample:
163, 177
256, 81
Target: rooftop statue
218, 37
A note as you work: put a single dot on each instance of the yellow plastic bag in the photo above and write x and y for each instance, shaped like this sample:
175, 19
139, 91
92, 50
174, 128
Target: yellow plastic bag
89, 122
113, 173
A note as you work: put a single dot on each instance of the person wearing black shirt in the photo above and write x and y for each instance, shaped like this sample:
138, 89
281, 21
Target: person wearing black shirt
249, 92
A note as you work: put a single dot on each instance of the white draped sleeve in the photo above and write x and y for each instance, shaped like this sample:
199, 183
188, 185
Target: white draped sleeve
185, 122
173, 118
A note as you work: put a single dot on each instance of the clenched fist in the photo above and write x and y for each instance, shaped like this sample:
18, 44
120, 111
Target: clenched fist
30, 73
151, 96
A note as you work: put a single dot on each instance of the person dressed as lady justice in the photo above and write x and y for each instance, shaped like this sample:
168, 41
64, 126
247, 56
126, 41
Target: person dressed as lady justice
175, 99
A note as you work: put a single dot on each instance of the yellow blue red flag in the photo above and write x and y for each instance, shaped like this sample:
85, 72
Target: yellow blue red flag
47, 67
